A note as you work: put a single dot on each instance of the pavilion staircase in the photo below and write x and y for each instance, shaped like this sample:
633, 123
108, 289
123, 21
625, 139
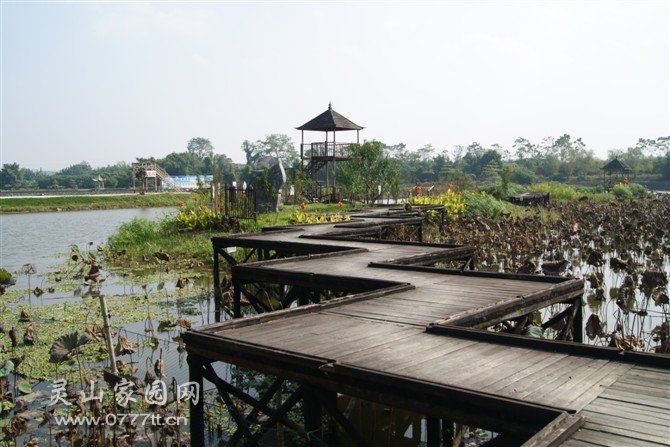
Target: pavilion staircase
165, 178
313, 167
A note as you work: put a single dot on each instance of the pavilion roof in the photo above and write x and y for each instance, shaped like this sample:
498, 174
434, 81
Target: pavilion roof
616, 165
330, 121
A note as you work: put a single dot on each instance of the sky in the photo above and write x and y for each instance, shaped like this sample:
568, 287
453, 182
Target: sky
107, 82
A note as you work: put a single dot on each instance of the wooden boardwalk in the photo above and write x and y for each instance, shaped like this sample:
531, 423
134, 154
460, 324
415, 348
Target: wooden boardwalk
410, 335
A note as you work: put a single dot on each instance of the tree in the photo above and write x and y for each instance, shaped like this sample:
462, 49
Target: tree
369, 174
183, 163
200, 147
658, 147
274, 145
83, 168
11, 175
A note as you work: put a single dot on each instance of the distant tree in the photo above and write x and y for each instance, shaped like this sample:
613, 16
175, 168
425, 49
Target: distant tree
522, 175
658, 147
83, 168
369, 174
200, 147
274, 145
440, 164
11, 175
182, 163
525, 150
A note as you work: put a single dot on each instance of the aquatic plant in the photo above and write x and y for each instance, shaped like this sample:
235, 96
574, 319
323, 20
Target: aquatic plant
453, 202
300, 217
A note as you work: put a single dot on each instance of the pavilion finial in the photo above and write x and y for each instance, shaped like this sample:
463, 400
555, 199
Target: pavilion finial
330, 106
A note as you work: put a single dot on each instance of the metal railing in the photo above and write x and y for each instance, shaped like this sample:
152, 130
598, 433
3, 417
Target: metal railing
332, 150
238, 202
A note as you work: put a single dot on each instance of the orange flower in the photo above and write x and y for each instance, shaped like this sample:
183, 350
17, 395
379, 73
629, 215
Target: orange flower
339, 204
303, 206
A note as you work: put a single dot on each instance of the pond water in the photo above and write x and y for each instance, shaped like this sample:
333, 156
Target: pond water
38, 238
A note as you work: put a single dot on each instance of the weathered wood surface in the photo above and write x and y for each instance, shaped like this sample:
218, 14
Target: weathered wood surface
396, 346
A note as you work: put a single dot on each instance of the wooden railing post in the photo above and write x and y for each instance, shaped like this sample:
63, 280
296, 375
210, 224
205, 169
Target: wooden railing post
197, 413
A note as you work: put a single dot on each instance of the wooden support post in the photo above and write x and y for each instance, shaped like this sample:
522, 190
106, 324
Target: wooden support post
311, 410
237, 299
447, 433
108, 334
304, 296
217, 287
433, 432
578, 322
329, 401
197, 413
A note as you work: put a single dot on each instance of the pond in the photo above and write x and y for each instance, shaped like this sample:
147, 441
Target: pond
39, 238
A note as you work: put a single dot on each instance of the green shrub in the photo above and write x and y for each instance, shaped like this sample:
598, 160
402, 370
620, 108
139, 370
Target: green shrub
5, 277
483, 205
638, 190
136, 233
522, 175
622, 191
557, 191
452, 201
629, 191
515, 189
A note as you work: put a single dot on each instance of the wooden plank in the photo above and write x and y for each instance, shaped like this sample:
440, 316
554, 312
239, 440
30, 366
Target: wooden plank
356, 334
439, 369
420, 347
660, 431
557, 431
577, 349
576, 443
544, 360
395, 360
624, 432
609, 439
628, 410
657, 383
631, 396
540, 377
303, 310
505, 366
613, 372
373, 342
571, 383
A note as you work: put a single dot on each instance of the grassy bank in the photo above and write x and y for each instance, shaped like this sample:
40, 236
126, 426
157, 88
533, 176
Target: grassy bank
135, 242
186, 238
74, 203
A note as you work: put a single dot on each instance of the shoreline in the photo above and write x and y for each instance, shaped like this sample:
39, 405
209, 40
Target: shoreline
86, 202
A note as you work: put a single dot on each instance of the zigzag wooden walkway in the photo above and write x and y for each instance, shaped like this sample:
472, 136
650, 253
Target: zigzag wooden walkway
409, 335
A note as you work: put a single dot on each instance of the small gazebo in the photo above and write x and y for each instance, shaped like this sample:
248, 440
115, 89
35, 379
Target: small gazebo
615, 172
99, 183
325, 154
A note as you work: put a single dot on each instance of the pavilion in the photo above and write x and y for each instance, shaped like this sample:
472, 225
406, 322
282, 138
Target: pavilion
325, 154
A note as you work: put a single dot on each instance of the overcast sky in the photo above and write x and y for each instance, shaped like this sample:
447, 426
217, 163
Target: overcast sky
108, 82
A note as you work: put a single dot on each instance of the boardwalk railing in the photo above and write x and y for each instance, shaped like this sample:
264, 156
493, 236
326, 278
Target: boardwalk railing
330, 150
239, 203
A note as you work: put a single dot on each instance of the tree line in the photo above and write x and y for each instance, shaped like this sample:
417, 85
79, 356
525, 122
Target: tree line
563, 159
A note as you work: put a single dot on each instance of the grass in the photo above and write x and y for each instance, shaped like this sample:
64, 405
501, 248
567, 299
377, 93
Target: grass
135, 242
565, 193
73, 203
